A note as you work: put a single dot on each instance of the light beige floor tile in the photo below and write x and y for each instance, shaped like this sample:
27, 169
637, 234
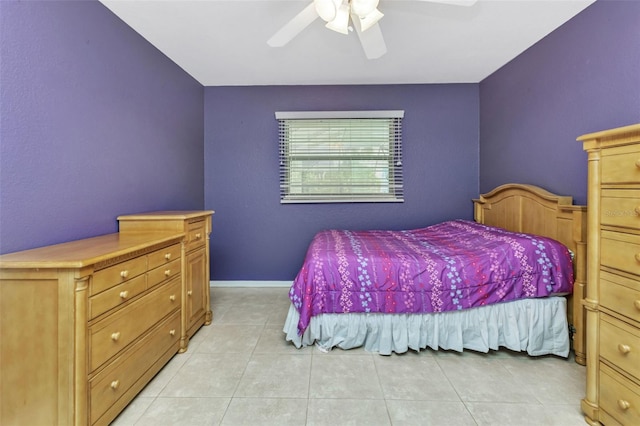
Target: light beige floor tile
347, 412
217, 311
344, 377
245, 314
158, 383
241, 371
230, 338
534, 414
262, 296
248, 295
130, 415
413, 376
272, 340
200, 336
226, 297
207, 375
278, 314
564, 414
275, 376
184, 411
483, 378
563, 383
233, 294
429, 413
266, 412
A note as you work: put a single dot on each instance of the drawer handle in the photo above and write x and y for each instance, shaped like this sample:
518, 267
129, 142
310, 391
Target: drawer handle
124, 274
115, 384
167, 272
638, 163
637, 210
636, 303
124, 294
198, 236
637, 257
115, 336
172, 332
172, 297
624, 405
624, 349
189, 293
167, 256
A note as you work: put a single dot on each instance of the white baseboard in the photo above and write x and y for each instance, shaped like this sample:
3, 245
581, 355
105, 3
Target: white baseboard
242, 283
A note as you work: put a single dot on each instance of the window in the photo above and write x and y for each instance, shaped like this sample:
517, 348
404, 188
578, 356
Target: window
340, 156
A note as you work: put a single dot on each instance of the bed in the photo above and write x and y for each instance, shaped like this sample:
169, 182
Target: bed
513, 278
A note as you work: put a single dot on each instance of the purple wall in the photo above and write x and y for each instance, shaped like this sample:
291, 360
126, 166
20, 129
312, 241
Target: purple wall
583, 77
95, 122
256, 238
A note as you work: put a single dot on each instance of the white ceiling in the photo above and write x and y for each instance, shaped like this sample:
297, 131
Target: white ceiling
224, 43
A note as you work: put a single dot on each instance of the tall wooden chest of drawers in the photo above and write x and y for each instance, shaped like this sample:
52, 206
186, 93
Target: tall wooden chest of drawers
85, 325
613, 277
196, 225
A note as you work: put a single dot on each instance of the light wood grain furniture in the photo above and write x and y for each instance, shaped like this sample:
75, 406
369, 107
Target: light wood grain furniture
612, 301
85, 325
531, 209
196, 225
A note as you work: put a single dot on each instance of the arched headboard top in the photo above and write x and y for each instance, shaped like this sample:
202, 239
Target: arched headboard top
534, 210
515, 189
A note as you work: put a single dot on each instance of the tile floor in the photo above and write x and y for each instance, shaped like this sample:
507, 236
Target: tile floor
240, 371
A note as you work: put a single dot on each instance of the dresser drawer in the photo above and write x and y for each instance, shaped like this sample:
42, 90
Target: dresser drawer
196, 235
113, 382
620, 344
114, 333
115, 296
620, 294
117, 274
621, 165
620, 251
164, 272
618, 397
164, 256
620, 208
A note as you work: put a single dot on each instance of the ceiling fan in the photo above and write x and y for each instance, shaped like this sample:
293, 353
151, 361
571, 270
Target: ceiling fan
363, 14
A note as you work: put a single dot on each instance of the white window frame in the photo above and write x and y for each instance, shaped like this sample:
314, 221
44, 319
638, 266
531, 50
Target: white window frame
313, 134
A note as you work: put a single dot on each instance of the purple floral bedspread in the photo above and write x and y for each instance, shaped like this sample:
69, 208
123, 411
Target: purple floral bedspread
449, 266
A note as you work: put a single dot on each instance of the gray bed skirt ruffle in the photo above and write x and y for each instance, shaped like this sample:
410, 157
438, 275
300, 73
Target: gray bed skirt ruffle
537, 326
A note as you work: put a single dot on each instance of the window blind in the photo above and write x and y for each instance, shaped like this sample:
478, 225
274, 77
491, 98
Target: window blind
340, 156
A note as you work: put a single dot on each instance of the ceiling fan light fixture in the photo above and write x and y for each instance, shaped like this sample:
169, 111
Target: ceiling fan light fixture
370, 20
363, 8
326, 9
341, 22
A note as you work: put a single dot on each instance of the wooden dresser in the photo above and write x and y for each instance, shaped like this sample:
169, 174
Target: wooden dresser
85, 325
196, 225
613, 277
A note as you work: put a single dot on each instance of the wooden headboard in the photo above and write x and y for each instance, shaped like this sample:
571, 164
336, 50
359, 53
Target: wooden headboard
533, 210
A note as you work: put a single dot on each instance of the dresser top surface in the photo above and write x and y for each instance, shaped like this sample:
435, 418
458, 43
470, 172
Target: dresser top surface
81, 253
618, 132
167, 215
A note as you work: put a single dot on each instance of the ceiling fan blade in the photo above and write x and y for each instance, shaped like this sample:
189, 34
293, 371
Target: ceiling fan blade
371, 40
453, 2
292, 28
